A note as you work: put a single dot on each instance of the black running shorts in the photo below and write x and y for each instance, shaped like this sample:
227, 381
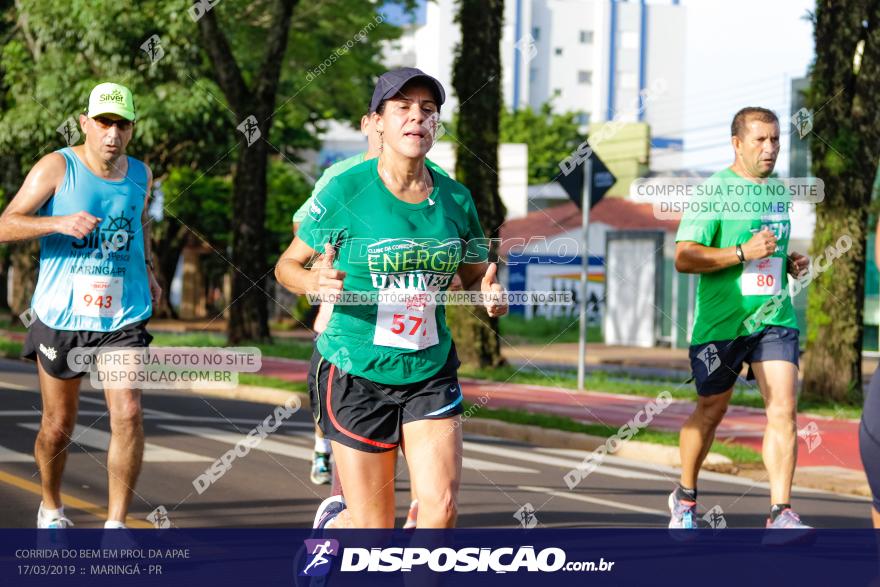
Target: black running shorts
52, 346
368, 416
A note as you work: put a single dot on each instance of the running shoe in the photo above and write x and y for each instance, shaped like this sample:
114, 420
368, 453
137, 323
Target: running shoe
412, 516
322, 474
684, 513
55, 522
798, 532
329, 509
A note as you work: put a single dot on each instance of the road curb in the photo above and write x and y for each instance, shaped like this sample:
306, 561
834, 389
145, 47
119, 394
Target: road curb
631, 449
257, 394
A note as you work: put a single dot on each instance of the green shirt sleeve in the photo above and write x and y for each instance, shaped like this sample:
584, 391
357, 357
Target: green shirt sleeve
303, 211
698, 228
326, 219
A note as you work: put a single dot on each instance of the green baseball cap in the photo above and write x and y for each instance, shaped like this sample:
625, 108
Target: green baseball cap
110, 98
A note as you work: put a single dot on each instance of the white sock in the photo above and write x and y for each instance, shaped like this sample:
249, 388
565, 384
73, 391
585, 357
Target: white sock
52, 514
322, 445
113, 524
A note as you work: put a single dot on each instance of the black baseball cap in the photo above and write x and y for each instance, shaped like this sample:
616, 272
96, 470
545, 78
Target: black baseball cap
391, 82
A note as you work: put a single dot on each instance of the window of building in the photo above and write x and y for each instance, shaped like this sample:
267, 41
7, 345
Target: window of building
536, 33
585, 77
559, 50
586, 37
583, 118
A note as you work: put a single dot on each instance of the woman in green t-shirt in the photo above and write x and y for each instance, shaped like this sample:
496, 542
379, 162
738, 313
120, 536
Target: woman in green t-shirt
384, 373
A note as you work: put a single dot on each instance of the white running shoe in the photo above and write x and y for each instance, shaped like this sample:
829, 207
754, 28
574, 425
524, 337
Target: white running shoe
328, 510
114, 525
412, 516
53, 522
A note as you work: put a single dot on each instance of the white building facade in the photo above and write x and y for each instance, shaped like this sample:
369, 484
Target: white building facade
604, 59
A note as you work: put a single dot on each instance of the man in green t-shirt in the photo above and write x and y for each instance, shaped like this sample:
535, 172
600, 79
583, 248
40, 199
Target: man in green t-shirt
735, 235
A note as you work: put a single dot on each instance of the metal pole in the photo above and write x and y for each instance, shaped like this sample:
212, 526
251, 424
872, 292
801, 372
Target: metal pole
585, 268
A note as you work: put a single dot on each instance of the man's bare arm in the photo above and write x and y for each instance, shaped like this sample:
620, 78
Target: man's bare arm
19, 221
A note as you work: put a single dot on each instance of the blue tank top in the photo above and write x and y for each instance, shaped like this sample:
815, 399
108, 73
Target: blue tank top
97, 283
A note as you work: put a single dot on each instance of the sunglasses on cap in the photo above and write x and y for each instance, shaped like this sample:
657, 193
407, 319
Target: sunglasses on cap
105, 123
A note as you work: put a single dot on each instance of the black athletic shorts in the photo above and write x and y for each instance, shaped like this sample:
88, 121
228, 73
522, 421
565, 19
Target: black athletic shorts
368, 416
52, 346
716, 365
869, 437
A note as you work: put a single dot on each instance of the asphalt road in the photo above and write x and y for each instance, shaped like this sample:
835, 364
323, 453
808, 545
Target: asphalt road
270, 487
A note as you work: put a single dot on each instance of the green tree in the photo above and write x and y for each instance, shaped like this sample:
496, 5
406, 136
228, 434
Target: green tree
52, 56
477, 81
333, 34
52, 53
844, 87
551, 138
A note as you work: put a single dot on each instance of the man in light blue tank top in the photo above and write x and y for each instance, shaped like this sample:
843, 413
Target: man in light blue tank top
88, 206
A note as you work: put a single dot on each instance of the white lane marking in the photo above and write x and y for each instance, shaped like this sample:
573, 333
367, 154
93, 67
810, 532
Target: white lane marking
38, 414
8, 455
306, 454
674, 472
227, 437
527, 455
153, 453
481, 465
6, 385
595, 500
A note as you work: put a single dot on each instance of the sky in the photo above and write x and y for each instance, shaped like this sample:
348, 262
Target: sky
740, 53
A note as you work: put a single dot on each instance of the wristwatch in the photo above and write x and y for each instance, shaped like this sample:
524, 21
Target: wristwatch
740, 254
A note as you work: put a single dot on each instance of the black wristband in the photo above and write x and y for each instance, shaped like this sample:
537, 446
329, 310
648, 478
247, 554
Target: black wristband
740, 254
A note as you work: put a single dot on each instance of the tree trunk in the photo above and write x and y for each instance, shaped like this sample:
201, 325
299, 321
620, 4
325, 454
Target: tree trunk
24, 271
477, 81
248, 316
254, 105
845, 145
